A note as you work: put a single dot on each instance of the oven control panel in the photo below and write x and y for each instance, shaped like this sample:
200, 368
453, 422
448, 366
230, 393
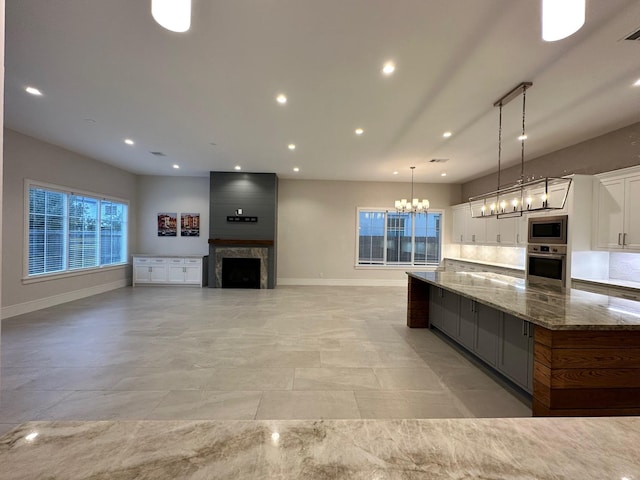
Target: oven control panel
550, 249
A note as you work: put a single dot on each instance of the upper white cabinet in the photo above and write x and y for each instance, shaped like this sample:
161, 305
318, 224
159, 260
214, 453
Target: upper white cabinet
617, 222
487, 230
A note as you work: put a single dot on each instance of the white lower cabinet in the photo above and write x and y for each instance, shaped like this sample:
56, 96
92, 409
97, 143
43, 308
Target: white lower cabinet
168, 270
501, 340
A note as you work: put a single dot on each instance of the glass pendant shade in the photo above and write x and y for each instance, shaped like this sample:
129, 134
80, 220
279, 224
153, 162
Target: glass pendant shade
174, 15
561, 18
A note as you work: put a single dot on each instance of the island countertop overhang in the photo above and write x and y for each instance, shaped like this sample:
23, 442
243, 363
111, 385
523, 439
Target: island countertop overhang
553, 309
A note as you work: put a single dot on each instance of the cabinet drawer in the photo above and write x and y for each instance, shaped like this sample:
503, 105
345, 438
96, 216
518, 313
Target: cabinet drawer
175, 261
193, 261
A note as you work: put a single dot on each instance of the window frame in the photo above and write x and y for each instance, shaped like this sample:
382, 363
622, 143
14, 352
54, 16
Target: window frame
67, 191
397, 266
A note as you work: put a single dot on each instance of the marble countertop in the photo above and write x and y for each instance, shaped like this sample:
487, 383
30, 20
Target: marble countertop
554, 309
520, 448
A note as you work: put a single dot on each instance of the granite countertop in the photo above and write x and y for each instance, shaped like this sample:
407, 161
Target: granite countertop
548, 307
482, 262
519, 448
612, 282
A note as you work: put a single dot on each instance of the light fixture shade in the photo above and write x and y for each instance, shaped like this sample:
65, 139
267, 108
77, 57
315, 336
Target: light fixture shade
174, 15
561, 18
425, 204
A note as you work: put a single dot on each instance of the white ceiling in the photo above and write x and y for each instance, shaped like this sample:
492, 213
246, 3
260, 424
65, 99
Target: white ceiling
107, 60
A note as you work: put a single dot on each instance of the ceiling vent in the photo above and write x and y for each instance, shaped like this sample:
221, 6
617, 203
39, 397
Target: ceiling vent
635, 36
158, 154
438, 160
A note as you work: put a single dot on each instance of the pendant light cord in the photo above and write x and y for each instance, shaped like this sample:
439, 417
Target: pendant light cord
499, 144
524, 104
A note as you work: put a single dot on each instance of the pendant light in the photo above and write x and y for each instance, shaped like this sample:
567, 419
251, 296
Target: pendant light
561, 18
525, 196
415, 205
174, 15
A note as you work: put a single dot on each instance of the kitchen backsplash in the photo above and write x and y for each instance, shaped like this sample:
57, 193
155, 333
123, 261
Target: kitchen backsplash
624, 266
512, 256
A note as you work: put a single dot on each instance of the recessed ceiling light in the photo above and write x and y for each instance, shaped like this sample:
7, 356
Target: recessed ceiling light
292, 146
238, 167
396, 172
446, 134
522, 137
443, 174
359, 131
389, 68
89, 121
281, 99
176, 166
33, 91
128, 141
296, 169
637, 84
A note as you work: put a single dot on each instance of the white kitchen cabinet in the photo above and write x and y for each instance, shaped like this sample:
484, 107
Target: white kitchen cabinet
475, 230
501, 231
617, 222
459, 214
165, 270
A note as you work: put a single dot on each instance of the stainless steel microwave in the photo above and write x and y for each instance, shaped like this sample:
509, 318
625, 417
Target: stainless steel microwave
548, 230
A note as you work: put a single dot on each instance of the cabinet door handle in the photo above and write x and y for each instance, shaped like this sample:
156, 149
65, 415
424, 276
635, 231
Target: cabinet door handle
473, 238
524, 328
624, 239
461, 238
620, 239
530, 328
517, 238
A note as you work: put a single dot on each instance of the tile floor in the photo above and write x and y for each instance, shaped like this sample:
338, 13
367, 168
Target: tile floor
191, 354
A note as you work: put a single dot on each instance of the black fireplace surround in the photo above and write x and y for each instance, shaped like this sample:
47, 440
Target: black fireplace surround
240, 272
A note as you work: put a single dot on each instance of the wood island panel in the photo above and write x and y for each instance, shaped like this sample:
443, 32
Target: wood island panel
586, 372
417, 304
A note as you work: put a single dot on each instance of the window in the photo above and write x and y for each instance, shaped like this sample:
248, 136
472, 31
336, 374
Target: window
390, 238
70, 231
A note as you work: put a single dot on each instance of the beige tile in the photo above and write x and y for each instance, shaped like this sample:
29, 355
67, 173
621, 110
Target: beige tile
207, 405
408, 379
18, 407
307, 405
250, 379
493, 403
103, 405
335, 379
407, 404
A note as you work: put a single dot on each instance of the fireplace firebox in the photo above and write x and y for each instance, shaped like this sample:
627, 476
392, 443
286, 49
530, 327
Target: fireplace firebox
240, 273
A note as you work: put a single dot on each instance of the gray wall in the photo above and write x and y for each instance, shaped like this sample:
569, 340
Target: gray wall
611, 151
257, 195
28, 158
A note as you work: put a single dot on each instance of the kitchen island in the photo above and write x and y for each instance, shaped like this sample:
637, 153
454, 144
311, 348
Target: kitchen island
576, 352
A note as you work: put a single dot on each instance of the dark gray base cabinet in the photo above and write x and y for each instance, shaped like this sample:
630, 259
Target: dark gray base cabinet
501, 340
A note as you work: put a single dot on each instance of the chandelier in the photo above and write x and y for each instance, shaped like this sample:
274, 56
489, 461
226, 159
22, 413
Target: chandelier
415, 206
531, 195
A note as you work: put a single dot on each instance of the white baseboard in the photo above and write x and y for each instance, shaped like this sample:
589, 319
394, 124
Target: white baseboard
343, 282
32, 306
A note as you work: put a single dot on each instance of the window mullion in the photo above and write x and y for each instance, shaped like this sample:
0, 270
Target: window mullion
384, 241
